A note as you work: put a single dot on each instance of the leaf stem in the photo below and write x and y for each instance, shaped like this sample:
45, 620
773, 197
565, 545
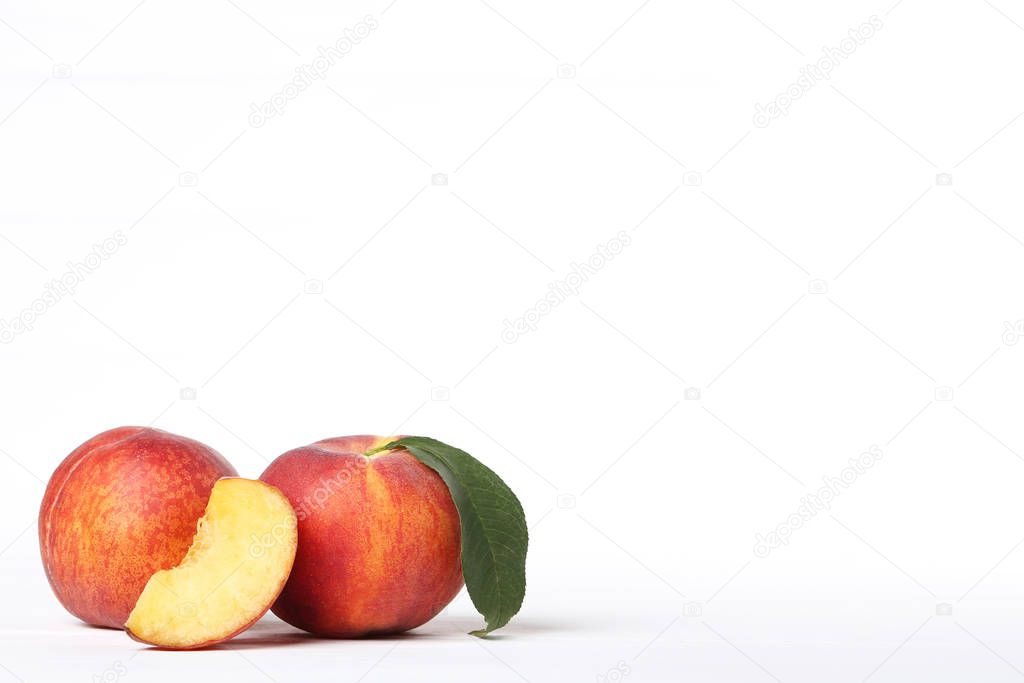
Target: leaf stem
379, 449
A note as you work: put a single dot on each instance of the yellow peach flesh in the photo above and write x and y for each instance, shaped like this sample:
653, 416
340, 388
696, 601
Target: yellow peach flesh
240, 558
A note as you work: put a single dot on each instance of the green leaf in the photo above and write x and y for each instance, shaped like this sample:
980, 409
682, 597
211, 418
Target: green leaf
494, 535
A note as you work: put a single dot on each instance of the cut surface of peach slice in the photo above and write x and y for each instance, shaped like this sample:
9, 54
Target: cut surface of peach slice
239, 561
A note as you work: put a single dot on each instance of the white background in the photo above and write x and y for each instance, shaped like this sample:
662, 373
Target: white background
811, 278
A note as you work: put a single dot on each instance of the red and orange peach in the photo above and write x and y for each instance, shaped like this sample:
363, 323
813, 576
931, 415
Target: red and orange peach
119, 508
378, 538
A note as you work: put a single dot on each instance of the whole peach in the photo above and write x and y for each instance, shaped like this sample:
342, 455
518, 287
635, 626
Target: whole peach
379, 539
122, 506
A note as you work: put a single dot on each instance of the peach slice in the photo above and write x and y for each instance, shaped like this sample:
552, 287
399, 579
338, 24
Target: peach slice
239, 561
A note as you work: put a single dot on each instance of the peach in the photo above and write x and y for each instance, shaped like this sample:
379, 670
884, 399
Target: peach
239, 560
120, 507
379, 538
